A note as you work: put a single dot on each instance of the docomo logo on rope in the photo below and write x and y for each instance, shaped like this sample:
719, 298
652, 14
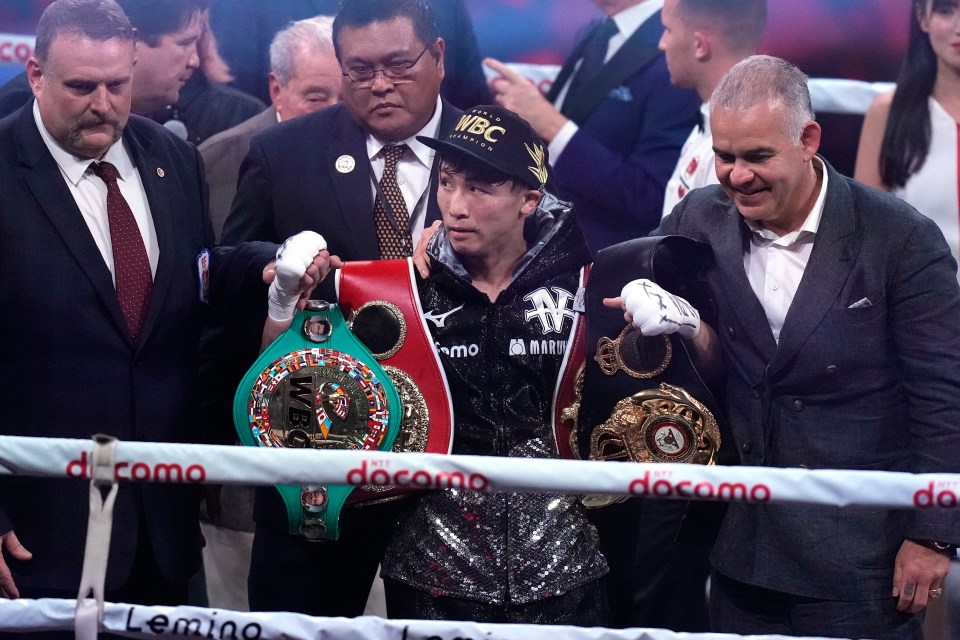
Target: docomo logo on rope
141, 471
375, 472
945, 495
15, 49
659, 484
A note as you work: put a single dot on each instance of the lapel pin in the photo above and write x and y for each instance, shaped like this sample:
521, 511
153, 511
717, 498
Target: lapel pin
345, 164
160, 172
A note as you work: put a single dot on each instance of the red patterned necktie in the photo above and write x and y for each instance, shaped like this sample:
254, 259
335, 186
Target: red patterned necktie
133, 278
392, 235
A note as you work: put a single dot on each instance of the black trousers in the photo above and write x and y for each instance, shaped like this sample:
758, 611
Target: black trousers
290, 573
654, 581
744, 609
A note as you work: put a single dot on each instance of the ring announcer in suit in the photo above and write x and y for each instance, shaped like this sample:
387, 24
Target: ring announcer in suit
839, 319
613, 122
325, 171
105, 232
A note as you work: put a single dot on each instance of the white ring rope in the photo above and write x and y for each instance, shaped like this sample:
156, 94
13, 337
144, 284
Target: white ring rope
166, 462
139, 621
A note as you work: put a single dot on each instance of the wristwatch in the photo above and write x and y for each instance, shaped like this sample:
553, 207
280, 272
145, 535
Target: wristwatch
943, 548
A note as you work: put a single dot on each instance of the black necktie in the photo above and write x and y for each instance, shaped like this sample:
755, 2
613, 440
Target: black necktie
134, 280
593, 55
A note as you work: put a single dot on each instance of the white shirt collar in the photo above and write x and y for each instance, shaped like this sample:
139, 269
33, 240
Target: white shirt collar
74, 167
629, 20
811, 224
705, 114
423, 152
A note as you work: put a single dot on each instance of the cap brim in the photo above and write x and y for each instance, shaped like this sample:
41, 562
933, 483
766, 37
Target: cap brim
446, 147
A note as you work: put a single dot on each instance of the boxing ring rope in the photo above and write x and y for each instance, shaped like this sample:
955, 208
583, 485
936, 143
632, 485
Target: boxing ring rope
218, 464
137, 621
108, 463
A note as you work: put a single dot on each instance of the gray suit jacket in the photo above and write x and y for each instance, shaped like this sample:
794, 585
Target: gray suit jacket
876, 386
222, 155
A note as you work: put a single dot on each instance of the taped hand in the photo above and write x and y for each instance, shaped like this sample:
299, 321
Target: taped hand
293, 258
655, 311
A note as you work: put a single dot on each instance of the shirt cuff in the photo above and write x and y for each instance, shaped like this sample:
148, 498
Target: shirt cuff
561, 140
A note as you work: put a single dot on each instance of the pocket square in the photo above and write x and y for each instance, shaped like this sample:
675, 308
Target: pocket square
621, 93
861, 304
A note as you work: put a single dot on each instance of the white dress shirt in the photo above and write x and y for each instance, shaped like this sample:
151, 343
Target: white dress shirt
90, 194
413, 170
775, 264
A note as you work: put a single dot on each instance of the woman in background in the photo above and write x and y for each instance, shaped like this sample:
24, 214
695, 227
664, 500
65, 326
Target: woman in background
909, 142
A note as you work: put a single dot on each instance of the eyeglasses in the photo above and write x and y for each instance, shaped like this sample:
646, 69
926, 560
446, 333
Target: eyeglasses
397, 71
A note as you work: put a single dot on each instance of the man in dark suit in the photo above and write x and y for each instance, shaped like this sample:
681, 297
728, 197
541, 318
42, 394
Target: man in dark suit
244, 29
304, 77
167, 56
839, 318
613, 121
328, 172
105, 233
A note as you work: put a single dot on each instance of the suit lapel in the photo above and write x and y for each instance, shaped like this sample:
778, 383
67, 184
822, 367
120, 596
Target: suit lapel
44, 180
353, 188
635, 54
834, 253
152, 170
729, 246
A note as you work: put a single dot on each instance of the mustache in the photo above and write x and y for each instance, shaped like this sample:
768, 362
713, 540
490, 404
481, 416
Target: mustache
90, 121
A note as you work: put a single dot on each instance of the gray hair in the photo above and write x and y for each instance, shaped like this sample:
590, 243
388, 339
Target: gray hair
98, 20
310, 35
760, 78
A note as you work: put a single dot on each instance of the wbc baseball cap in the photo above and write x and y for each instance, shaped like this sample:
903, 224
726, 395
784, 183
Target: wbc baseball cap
500, 139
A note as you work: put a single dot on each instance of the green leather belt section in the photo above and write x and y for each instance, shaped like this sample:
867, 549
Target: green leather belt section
317, 386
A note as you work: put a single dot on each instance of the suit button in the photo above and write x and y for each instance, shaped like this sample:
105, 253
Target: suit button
732, 333
798, 405
755, 394
831, 368
746, 448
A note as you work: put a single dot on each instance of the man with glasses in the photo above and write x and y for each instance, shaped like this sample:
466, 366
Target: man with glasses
355, 173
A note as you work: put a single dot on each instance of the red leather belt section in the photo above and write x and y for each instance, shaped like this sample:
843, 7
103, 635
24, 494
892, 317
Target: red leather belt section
393, 281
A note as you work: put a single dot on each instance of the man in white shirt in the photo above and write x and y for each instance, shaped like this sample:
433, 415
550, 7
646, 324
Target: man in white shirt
104, 222
355, 173
702, 40
839, 320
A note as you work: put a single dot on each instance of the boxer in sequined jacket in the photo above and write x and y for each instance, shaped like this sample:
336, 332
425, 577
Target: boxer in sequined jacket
501, 313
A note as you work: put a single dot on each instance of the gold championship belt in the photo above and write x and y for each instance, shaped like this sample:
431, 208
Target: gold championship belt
642, 398
372, 382
317, 387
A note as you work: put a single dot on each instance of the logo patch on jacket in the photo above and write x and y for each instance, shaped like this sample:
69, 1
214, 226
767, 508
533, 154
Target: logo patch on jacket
550, 306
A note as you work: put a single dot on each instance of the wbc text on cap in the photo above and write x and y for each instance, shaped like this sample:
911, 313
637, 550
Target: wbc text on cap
501, 139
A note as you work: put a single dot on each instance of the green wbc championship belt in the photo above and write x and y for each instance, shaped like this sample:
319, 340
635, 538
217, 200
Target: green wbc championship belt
317, 387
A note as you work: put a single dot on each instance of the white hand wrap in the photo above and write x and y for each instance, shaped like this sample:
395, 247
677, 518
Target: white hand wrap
293, 258
655, 311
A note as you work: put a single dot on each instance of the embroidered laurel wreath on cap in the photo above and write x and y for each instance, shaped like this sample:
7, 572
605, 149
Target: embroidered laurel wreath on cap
500, 138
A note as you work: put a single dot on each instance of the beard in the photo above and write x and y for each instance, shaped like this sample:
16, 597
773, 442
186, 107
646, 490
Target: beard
76, 131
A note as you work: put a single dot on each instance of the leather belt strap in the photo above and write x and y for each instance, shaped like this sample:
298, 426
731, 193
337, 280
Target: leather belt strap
391, 284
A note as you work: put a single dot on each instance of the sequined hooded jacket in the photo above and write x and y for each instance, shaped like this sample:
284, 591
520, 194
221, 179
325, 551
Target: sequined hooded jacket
502, 360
